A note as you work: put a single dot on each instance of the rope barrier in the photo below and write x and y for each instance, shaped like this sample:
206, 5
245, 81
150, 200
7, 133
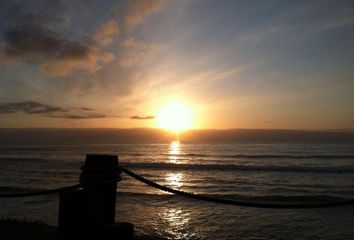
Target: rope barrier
193, 196
42, 192
235, 202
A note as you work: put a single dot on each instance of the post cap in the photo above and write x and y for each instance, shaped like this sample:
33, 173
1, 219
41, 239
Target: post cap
101, 160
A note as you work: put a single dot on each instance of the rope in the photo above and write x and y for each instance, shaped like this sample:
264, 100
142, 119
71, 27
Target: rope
37, 193
235, 202
193, 196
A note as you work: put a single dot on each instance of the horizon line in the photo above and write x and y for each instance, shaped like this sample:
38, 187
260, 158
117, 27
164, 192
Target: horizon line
187, 130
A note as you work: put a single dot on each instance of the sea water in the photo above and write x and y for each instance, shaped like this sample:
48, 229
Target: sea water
254, 172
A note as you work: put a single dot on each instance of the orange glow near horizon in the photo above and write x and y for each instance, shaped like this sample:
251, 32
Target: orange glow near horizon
175, 117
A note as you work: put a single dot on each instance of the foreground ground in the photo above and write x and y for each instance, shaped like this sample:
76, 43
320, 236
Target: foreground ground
12, 229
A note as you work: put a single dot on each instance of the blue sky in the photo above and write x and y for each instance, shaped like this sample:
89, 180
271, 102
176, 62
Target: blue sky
237, 64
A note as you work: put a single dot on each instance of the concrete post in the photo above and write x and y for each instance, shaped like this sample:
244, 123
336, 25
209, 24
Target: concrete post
90, 212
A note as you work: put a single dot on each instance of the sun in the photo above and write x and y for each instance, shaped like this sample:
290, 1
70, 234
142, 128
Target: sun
175, 117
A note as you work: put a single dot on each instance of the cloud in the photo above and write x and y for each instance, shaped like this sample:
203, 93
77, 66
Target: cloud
255, 37
32, 36
343, 18
104, 35
133, 12
124, 17
32, 107
142, 117
55, 55
29, 107
84, 115
136, 51
53, 44
130, 43
91, 60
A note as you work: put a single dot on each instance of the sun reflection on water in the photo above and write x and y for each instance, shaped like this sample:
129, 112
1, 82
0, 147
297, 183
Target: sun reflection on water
174, 179
177, 220
174, 151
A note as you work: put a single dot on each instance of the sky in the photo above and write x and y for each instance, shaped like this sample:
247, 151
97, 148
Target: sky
236, 64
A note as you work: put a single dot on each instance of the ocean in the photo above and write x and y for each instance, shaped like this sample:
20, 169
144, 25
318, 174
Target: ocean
255, 172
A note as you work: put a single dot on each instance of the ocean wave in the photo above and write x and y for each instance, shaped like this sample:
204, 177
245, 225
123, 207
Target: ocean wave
234, 167
201, 167
193, 155
11, 189
22, 159
248, 198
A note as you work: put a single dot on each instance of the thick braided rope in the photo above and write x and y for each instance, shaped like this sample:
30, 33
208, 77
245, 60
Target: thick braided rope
238, 203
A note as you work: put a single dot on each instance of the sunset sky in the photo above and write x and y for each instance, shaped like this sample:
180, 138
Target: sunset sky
234, 64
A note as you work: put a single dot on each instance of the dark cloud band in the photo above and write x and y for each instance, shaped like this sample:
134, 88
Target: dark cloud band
32, 107
142, 117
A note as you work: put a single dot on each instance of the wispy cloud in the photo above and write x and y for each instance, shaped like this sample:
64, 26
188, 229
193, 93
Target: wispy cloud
142, 117
123, 18
105, 34
78, 115
32, 107
29, 107
133, 12
342, 18
131, 43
